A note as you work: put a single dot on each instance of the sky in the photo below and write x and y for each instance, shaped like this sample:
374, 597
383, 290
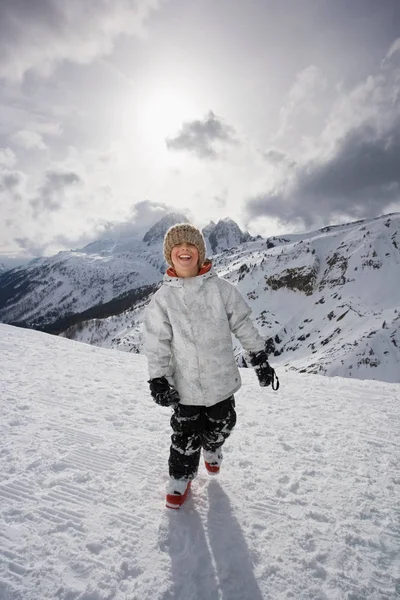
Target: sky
283, 115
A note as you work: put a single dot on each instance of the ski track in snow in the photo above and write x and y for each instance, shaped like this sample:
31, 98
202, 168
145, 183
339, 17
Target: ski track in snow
306, 505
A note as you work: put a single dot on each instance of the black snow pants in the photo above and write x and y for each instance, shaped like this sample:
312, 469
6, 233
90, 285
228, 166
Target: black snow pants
196, 427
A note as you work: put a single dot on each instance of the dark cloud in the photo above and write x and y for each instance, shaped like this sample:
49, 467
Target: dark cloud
30, 248
199, 137
39, 34
142, 216
57, 180
10, 180
355, 172
51, 195
279, 158
361, 179
275, 156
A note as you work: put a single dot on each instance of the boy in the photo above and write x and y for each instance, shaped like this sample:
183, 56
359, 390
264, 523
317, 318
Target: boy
192, 368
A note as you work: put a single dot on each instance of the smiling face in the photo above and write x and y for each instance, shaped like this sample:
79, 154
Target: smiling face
185, 258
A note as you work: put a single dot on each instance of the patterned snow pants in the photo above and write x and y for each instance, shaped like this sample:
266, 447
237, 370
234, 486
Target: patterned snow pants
196, 427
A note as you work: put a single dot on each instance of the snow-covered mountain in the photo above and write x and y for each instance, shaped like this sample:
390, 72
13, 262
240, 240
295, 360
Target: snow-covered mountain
101, 279
156, 233
224, 235
328, 301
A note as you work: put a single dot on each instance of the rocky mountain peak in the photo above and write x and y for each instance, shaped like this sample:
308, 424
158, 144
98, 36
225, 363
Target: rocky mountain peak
224, 235
157, 232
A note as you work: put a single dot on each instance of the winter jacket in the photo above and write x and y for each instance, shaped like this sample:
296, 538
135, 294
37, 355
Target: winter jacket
187, 330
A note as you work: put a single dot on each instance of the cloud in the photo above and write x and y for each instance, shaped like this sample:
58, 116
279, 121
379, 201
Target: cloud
12, 194
39, 34
361, 180
353, 168
10, 181
395, 47
278, 158
48, 128
200, 137
142, 216
51, 195
30, 140
7, 158
301, 99
275, 156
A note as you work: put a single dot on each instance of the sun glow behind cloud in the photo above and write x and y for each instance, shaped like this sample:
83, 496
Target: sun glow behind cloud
162, 112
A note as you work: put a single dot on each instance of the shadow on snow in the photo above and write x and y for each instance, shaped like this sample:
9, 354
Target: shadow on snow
217, 568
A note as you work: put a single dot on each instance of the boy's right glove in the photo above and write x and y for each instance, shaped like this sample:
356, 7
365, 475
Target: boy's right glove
265, 373
163, 393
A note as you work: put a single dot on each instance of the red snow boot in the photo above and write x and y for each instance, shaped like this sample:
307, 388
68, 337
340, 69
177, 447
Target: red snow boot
175, 498
212, 469
212, 461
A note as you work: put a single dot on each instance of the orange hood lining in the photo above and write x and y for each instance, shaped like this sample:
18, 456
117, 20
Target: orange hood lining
204, 269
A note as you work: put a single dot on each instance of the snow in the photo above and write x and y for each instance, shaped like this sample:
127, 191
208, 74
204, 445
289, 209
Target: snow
306, 505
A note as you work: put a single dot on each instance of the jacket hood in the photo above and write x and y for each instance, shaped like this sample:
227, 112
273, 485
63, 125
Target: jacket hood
206, 271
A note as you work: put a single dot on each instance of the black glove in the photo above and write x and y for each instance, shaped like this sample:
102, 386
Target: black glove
163, 393
263, 369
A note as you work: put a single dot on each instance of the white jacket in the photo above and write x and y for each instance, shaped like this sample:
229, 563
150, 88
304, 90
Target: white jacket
187, 330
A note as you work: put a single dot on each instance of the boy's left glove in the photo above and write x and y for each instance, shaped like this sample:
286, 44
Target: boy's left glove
163, 393
265, 373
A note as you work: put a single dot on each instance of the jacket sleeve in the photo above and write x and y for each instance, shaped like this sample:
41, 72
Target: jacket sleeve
239, 317
157, 340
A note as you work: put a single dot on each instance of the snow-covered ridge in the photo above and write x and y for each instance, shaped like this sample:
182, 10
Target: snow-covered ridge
327, 302
44, 293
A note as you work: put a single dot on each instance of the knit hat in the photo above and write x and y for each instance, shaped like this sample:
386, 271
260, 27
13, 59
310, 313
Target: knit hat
184, 232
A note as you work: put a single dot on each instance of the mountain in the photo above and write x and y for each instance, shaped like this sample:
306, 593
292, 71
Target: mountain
102, 278
224, 235
306, 506
327, 302
157, 232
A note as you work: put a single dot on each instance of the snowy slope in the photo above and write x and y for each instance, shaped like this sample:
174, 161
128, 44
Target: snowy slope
327, 301
306, 505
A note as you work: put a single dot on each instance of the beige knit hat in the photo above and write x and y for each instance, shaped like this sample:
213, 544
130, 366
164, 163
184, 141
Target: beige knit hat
184, 232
